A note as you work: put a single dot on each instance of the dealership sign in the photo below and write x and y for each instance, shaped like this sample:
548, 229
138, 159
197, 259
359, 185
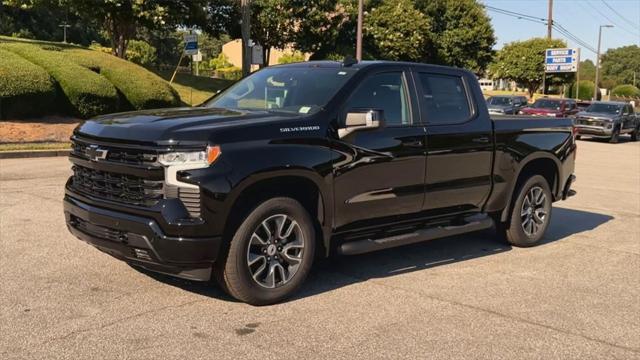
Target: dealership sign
190, 44
561, 60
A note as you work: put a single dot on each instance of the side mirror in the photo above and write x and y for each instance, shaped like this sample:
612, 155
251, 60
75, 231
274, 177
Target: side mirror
360, 120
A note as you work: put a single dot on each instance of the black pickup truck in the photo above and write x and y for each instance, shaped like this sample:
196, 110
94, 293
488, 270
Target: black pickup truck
308, 160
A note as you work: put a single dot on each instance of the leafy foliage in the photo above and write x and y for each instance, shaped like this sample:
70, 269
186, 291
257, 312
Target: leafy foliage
460, 34
626, 90
141, 53
523, 61
620, 64
585, 90
291, 57
23, 84
229, 73
395, 30
222, 61
587, 70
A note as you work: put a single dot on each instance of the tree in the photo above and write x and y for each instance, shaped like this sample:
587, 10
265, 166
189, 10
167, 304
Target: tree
272, 25
121, 19
396, 30
620, 64
587, 70
523, 61
460, 35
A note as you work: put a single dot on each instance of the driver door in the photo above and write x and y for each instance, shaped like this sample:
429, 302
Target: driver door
379, 172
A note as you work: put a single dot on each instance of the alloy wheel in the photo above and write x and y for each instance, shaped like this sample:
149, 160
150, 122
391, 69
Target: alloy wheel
534, 211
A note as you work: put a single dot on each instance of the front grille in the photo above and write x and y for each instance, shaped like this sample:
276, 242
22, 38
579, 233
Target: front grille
117, 187
589, 122
115, 154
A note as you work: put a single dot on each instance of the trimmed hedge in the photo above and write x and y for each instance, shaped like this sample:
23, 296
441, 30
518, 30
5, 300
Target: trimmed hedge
140, 88
87, 82
229, 73
26, 89
88, 93
626, 91
585, 93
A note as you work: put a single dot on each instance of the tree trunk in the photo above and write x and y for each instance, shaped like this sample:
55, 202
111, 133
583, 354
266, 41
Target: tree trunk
120, 31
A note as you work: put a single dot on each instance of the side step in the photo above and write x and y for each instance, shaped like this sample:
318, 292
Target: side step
472, 223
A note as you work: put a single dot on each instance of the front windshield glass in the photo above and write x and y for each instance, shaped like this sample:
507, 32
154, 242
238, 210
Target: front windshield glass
546, 104
503, 101
605, 108
302, 90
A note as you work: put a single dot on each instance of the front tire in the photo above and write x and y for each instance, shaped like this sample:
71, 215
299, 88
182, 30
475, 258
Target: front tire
615, 137
270, 254
530, 215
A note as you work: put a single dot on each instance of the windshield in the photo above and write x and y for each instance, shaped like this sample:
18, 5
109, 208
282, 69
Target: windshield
503, 101
605, 108
302, 90
546, 104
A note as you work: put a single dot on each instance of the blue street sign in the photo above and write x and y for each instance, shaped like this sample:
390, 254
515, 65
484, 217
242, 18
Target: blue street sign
561, 60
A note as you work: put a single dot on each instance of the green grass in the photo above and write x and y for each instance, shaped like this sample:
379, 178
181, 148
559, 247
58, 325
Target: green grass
194, 90
86, 82
35, 146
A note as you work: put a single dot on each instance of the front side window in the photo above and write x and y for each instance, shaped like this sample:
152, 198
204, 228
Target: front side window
547, 104
445, 99
386, 92
501, 101
302, 90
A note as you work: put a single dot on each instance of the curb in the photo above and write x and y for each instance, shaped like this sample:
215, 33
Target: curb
33, 153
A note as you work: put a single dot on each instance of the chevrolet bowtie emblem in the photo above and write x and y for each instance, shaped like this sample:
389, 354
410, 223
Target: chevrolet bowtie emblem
94, 153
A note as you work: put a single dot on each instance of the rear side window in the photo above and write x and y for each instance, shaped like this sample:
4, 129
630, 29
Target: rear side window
444, 99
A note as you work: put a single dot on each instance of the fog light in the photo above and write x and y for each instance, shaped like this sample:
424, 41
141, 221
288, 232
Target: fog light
142, 254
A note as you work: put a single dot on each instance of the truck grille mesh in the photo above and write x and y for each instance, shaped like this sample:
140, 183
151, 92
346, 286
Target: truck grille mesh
117, 187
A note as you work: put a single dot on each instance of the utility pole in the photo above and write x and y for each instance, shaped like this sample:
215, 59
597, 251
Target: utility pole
64, 27
359, 31
550, 19
245, 27
595, 90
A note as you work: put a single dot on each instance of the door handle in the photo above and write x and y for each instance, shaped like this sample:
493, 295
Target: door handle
415, 143
482, 140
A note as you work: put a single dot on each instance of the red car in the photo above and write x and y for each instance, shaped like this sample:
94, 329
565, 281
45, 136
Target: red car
551, 107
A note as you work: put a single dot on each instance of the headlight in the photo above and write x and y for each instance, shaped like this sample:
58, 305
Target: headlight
203, 158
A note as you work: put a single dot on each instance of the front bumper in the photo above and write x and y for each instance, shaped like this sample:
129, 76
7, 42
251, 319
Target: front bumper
140, 241
593, 130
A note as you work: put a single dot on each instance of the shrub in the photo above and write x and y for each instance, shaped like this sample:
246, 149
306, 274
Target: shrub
626, 91
26, 89
141, 53
291, 57
140, 88
88, 93
585, 90
229, 73
220, 62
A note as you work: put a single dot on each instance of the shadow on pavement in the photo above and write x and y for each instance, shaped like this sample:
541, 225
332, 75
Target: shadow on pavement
336, 272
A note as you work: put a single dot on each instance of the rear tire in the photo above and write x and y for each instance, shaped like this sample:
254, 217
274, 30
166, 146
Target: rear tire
270, 254
578, 137
530, 214
635, 134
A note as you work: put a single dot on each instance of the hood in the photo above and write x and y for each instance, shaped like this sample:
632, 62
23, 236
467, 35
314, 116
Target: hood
529, 110
499, 107
595, 115
171, 126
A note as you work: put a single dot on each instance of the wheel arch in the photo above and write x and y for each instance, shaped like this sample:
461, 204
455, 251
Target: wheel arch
305, 186
540, 163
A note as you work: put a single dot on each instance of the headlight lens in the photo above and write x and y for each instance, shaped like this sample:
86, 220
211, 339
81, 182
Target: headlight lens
204, 158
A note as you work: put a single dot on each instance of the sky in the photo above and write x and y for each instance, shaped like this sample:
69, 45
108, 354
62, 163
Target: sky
582, 18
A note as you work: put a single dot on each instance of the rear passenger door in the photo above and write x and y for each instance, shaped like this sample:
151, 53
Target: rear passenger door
459, 141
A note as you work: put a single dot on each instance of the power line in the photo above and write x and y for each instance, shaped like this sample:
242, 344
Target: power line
610, 20
634, 25
554, 24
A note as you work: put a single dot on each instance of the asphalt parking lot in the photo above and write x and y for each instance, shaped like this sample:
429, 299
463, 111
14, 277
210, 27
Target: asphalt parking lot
575, 296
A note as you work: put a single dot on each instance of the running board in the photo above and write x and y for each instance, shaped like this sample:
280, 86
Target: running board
473, 223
